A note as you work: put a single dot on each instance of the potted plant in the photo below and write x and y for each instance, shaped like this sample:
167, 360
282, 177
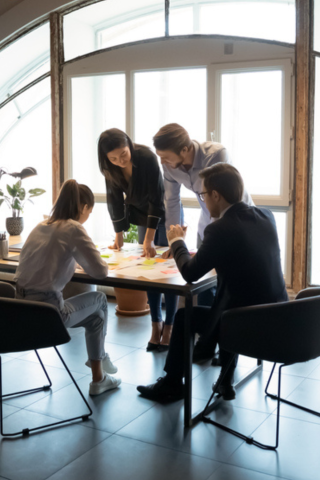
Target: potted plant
17, 198
131, 302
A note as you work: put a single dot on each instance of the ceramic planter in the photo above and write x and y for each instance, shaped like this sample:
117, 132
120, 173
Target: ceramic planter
14, 225
131, 302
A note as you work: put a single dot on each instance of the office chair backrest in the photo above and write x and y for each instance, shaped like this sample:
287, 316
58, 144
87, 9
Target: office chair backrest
7, 290
286, 332
26, 325
308, 292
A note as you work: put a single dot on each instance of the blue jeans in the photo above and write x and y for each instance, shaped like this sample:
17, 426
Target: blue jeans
154, 298
88, 310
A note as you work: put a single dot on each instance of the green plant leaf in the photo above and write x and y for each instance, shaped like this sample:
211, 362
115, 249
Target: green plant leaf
12, 191
1, 201
35, 192
22, 194
1, 193
17, 205
17, 185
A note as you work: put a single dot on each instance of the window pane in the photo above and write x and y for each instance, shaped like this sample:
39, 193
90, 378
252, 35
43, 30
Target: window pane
99, 225
33, 95
170, 96
281, 222
251, 118
23, 57
315, 219
316, 26
267, 19
181, 20
191, 219
28, 144
112, 22
98, 103
9, 114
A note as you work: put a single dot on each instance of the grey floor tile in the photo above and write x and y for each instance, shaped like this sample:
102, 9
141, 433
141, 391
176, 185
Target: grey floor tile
302, 369
112, 410
74, 354
126, 459
251, 395
202, 384
229, 472
315, 374
306, 394
22, 375
163, 425
297, 457
129, 331
8, 410
6, 358
41, 454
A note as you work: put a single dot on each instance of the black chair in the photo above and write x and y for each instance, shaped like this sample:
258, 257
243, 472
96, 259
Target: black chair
284, 333
26, 325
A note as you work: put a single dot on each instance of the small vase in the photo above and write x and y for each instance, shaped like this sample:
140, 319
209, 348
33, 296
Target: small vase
14, 225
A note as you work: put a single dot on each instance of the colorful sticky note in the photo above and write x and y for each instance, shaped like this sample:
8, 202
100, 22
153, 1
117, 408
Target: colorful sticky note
167, 272
132, 257
160, 260
149, 261
105, 255
160, 252
146, 267
113, 263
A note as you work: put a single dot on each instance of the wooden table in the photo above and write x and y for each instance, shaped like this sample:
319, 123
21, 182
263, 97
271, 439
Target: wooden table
175, 285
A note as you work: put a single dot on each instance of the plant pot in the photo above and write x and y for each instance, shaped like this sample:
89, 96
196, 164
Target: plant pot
14, 225
131, 302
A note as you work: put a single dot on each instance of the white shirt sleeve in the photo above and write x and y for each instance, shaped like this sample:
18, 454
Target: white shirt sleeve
86, 254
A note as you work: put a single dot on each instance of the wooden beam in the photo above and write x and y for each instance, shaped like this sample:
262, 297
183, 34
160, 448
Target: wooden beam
303, 10
57, 58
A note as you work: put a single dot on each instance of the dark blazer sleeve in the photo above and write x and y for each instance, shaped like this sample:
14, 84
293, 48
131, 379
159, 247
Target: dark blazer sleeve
155, 193
116, 207
208, 256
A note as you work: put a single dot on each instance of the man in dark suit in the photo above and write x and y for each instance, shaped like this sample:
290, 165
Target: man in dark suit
242, 245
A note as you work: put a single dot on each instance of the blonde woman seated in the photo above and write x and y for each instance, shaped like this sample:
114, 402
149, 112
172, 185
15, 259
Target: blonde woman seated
48, 261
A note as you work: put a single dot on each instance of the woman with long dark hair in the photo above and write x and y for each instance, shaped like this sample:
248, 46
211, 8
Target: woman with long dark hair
47, 263
135, 195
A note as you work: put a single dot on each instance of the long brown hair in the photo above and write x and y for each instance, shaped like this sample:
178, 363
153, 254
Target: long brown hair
110, 140
70, 202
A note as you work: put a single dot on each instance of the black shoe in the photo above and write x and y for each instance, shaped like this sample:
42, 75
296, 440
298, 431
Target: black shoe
163, 390
216, 362
226, 391
152, 346
163, 348
225, 388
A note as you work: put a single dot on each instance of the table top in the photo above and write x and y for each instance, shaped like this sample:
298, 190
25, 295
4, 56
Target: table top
119, 279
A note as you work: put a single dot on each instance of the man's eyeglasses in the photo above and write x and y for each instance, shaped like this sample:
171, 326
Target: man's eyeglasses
201, 195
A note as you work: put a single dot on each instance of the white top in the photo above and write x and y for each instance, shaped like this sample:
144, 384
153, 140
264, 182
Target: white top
48, 258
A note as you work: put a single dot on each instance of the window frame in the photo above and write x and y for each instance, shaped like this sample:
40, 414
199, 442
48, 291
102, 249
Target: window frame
285, 197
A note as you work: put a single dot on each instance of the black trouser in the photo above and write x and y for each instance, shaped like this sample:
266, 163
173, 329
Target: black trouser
201, 322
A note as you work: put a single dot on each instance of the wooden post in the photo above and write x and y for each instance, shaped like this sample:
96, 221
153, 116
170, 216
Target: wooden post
303, 10
57, 58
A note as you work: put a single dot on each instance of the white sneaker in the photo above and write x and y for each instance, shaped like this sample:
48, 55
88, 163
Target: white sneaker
108, 383
107, 365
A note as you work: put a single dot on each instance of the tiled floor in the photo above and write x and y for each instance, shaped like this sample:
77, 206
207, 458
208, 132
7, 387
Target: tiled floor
129, 437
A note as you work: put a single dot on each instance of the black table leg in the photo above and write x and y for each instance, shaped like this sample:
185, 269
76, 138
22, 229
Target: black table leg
188, 348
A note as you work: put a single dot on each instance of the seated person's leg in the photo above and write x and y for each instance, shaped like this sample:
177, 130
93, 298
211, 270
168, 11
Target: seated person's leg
90, 311
171, 386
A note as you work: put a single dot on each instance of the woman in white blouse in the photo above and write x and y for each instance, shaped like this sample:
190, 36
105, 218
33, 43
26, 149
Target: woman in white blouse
47, 263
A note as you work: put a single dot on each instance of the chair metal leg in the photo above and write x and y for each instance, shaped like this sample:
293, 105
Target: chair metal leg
26, 431
249, 440
33, 390
275, 397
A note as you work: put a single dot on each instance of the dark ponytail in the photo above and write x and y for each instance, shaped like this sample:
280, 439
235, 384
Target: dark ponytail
71, 200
